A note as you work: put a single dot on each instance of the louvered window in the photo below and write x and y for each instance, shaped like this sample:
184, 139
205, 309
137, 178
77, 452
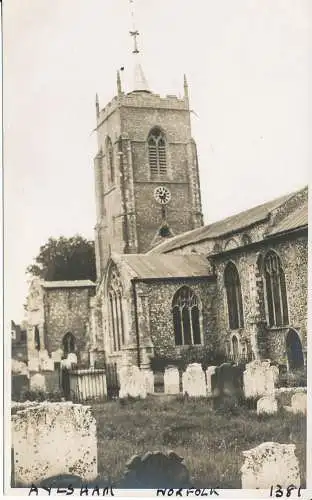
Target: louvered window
157, 153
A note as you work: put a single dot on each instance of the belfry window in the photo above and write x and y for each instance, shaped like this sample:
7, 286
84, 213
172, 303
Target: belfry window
110, 160
157, 152
276, 294
234, 296
116, 312
185, 311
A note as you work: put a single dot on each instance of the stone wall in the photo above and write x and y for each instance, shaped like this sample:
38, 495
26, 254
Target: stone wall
160, 295
67, 310
265, 342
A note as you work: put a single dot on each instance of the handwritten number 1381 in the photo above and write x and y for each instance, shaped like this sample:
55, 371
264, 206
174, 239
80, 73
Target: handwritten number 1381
277, 491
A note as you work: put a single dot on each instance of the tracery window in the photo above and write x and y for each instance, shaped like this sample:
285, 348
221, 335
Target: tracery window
234, 296
157, 152
110, 160
116, 311
186, 322
276, 293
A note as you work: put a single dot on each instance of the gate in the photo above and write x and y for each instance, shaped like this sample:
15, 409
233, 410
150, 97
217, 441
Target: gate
112, 381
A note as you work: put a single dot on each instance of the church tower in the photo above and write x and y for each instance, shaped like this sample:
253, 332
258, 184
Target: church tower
146, 169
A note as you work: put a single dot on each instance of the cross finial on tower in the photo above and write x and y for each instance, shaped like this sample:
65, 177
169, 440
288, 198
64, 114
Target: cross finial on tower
134, 32
140, 83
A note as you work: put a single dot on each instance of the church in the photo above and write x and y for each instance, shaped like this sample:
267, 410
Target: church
168, 286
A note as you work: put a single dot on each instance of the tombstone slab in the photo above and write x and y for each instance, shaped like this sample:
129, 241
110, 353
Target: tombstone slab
38, 430
149, 381
132, 382
33, 364
172, 380
193, 381
267, 405
270, 464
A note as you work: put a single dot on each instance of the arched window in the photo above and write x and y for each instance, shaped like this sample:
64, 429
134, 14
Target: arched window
157, 152
110, 160
116, 311
276, 295
234, 296
37, 338
185, 311
69, 343
294, 351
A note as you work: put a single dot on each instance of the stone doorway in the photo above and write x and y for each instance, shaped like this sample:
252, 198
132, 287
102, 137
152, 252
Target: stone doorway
294, 351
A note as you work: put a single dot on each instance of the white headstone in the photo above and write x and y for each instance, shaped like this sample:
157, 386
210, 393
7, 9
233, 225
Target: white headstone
56, 356
19, 367
270, 464
37, 382
47, 365
209, 372
149, 381
259, 378
193, 381
33, 364
132, 382
266, 405
172, 380
299, 402
38, 430
72, 358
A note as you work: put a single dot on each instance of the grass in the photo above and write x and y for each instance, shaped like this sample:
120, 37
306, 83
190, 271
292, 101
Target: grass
210, 443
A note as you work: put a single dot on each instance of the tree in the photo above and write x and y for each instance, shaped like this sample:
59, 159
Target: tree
65, 259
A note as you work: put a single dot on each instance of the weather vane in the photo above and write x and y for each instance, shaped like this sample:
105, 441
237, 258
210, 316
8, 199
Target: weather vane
134, 32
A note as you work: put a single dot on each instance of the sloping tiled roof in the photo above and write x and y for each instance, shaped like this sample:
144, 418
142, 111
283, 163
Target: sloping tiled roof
146, 266
222, 227
297, 219
68, 284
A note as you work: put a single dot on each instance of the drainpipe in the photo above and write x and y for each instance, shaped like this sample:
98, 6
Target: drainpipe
135, 302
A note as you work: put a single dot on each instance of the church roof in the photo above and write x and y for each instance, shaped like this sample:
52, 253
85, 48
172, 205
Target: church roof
225, 226
68, 284
296, 220
146, 266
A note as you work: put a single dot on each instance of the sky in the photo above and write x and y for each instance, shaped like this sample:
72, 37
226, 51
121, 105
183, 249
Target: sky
246, 63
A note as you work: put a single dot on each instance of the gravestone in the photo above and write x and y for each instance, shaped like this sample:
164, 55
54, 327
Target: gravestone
37, 382
33, 364
209, 379
270, 464
193, 381
267, 405
259, 379
228, 385
155, 470
56, 356
72, 358
38, 431
172, 380
132, 382
299, 403
149, 381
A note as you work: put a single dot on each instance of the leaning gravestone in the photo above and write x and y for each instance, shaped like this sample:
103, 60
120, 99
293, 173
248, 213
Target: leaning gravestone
155, 470
270, 464
193, 381
172, 380
267, 405
132, 382
36, 432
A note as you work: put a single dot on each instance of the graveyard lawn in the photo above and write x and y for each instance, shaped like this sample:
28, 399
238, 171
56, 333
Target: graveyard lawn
211, 443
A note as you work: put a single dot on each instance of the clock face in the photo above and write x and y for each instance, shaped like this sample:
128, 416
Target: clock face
162, 195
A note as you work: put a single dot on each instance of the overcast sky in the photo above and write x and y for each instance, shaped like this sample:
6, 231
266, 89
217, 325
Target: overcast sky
247, 66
